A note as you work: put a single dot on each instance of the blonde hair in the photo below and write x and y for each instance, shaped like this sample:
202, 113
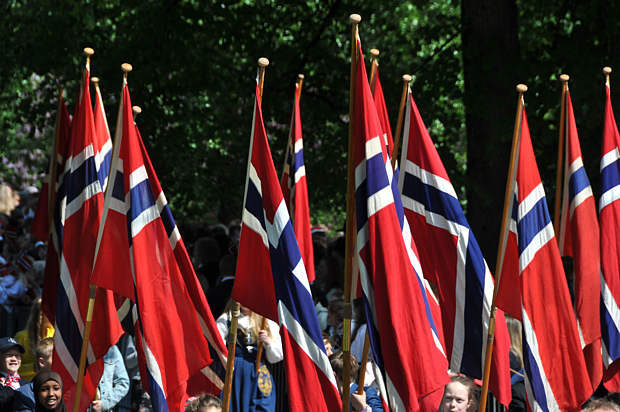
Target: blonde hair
33, 326
255, 319
7, 201
516, 344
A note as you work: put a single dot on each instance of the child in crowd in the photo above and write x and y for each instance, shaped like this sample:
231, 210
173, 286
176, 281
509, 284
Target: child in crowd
369, 400
24, 396
204, 403
459, 395
10, 361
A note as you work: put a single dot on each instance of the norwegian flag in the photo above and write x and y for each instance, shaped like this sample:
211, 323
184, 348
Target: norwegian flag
579, 238
40, 223
609, 215
377, 93
51, 279
550, 336
142, 257
390, 272
271, 280
24, 261
451, 259
79, 203
295, 189
103, 141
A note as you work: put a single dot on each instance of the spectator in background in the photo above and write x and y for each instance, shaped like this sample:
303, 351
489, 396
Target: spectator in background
219, 295
206, 257
114, 383
369, 401
10, 361
37, 328
320, 305
328, 274
24, 397
459, 395
204, 403
7, 200
49, 391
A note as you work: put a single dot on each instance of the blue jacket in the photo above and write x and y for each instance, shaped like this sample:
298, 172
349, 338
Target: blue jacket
114, 383
372, 398
24, 399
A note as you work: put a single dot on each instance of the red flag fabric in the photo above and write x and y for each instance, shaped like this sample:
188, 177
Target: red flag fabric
78, 209
379, 99
579, 238
390, 272
549, 327
103, 141
295, 190
271, 280
451, 259
142, 257
609, 214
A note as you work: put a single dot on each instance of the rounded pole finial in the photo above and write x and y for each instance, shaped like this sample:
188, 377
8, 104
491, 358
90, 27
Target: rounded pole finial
375, 52
607, 70
88, 51
521, 88
564, 77
136, 110
94, 80
406, 78
263, 62
355, 18
126, 67
301, 76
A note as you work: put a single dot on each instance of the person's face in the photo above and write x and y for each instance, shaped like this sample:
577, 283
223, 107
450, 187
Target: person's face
11, 360
45, 364
328, 348
455, 398
50, 394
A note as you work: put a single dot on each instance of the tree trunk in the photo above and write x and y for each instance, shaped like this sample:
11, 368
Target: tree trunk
490, 58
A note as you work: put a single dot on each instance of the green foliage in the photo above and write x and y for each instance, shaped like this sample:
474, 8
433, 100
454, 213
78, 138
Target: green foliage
194, 67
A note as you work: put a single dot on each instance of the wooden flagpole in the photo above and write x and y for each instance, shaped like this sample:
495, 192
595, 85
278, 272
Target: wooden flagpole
558, 179
399, 123
508, 198
350, 226
53, 166
136, 111
373, 69
232, 333
262, 63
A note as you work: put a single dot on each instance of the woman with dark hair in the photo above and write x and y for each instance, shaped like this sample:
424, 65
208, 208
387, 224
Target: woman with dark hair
48, 392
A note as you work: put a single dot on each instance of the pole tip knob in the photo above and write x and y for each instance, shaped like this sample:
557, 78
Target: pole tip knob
136, 110
263, 62
88, 51
406, 78
126, 67
355, 18
521, 88
607, 70
375, 52
94, 80
301, 76
564, 77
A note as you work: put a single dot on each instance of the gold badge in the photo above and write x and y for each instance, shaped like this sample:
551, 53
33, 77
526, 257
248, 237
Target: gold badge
264, 381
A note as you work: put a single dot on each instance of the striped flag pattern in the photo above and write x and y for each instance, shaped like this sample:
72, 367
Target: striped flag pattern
390, 272
178, 345
609, 215
78, 209
579, 238
271, 280
451, 259
550, 336
103, 141
295, 189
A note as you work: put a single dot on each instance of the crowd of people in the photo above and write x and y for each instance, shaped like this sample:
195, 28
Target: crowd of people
27, 382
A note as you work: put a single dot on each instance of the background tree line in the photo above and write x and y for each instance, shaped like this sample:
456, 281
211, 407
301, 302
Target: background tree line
195, 64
